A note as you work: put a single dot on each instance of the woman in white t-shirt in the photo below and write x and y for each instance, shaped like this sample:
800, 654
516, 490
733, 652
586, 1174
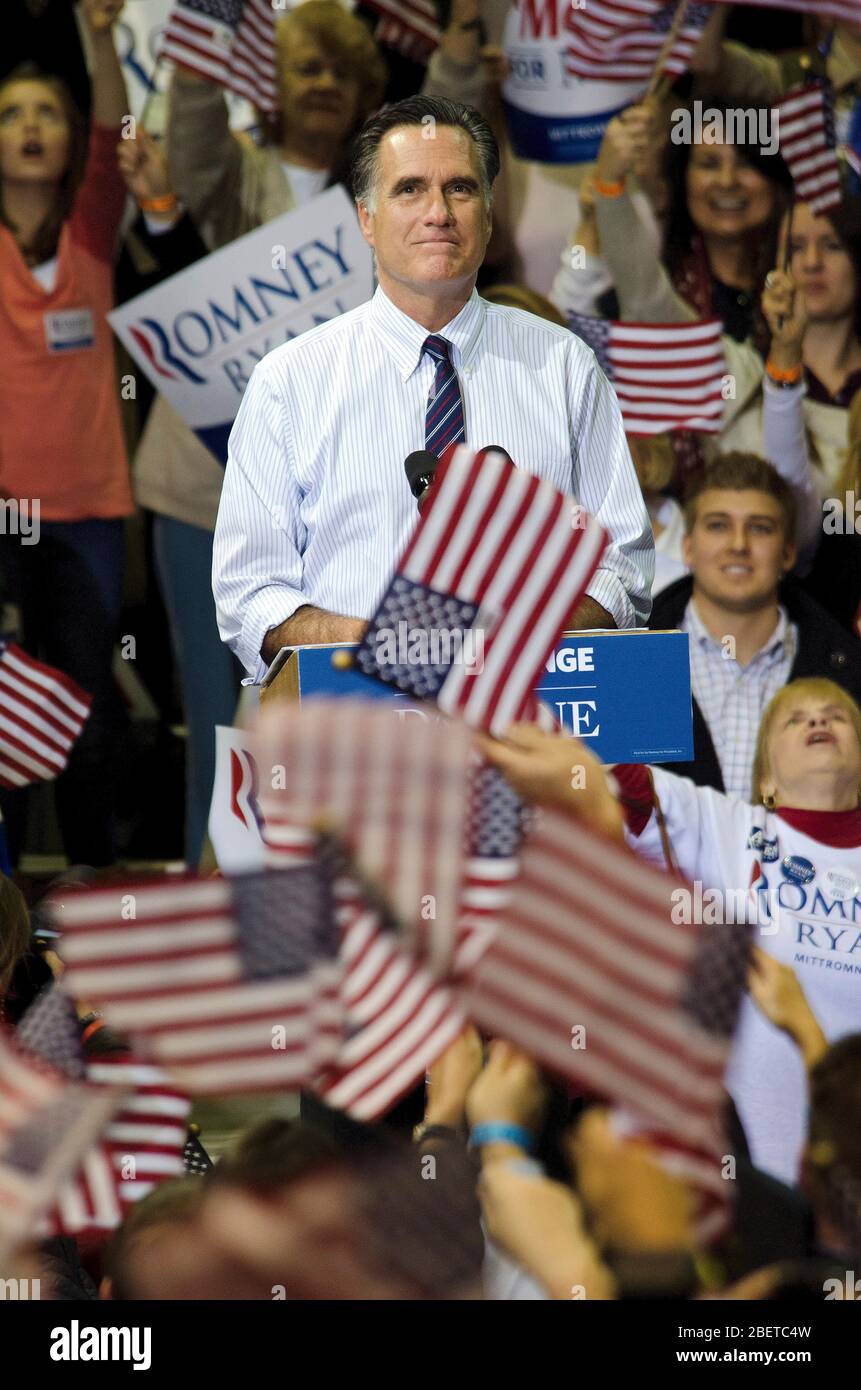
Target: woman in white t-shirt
791, 858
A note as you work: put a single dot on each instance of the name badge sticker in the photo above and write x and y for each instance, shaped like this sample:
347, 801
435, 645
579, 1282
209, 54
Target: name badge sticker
70, 330
841, 885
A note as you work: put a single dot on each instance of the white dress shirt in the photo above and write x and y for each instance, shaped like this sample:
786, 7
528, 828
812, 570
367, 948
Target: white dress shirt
315, 507
733, 698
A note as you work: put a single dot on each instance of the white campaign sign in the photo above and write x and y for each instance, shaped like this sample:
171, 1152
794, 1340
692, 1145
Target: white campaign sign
553, 116
234, 817
199, 335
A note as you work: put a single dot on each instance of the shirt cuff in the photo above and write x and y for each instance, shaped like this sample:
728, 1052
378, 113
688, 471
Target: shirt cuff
267, 608
785, 397
607, 589
156, 227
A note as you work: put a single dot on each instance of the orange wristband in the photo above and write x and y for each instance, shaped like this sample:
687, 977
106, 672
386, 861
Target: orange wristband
92, 1028
609, 190
167, 203
790, 375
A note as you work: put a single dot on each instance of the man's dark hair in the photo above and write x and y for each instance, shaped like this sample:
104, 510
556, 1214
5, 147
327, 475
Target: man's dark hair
739, 472
428, 113
273, 1153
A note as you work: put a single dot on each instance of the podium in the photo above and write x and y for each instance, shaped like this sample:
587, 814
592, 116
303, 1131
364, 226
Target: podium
627, 693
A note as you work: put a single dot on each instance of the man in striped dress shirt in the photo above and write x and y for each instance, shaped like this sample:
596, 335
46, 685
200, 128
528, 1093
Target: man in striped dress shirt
315, 508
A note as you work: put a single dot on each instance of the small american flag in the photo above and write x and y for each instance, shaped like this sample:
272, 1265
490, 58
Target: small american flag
195, 1160
410, 26
622, 40
589, 973
399, 1019
495, 568
42, 712
808, 144
495, 826
229, 41
143, 1141
667, 376
229, 984
48, 1124
397, 801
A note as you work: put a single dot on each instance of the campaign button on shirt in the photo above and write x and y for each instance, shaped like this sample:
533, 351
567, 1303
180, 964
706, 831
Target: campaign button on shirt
770, 851
797, 869
840, 884
70, 330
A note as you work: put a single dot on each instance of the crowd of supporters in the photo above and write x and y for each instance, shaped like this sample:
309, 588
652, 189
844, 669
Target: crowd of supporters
758, 561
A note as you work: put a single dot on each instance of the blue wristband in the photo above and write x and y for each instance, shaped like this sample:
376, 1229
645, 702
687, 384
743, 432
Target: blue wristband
496, 1133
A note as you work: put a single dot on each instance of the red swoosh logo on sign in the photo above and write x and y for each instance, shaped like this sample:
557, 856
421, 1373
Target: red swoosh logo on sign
146, 348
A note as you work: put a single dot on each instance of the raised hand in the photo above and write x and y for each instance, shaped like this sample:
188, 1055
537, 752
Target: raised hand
625, 144
451, 1077
776, 990
510, 1090
785, 310
101, 15
554, 771
143, 165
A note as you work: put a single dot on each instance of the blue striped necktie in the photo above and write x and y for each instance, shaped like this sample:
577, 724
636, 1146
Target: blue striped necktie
444, 417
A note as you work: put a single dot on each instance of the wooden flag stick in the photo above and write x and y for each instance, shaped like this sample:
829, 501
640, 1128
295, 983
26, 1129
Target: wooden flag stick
786, 258
666, 49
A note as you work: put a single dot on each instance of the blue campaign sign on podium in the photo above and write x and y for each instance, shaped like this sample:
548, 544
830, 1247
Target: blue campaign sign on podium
627, 693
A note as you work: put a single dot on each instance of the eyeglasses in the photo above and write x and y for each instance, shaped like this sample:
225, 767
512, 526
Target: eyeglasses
313, 68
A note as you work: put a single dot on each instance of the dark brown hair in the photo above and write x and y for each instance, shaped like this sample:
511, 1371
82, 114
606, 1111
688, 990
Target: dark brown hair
739, 472
14, 930
44, 243
832, 1163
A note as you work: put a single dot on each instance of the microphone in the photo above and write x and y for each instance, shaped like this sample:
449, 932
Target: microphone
494, 449
420, 468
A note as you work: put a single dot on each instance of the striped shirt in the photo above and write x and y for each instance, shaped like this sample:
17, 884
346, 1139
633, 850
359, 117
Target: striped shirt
316, 508
733, 697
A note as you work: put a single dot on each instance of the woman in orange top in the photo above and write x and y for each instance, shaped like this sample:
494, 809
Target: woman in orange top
63, 467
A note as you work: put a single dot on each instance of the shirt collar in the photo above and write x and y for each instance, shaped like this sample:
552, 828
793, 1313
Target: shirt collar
404, 339
777, 642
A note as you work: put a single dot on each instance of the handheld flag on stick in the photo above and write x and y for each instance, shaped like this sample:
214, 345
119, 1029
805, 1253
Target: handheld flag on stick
232, 42
396, 801
48, 1124
142, 1143
410, 26
667, 376
808, 144
496, 566
230, 984
615, 41
42, 713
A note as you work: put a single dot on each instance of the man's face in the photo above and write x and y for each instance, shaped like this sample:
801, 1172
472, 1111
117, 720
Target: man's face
429, 226
736, 548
